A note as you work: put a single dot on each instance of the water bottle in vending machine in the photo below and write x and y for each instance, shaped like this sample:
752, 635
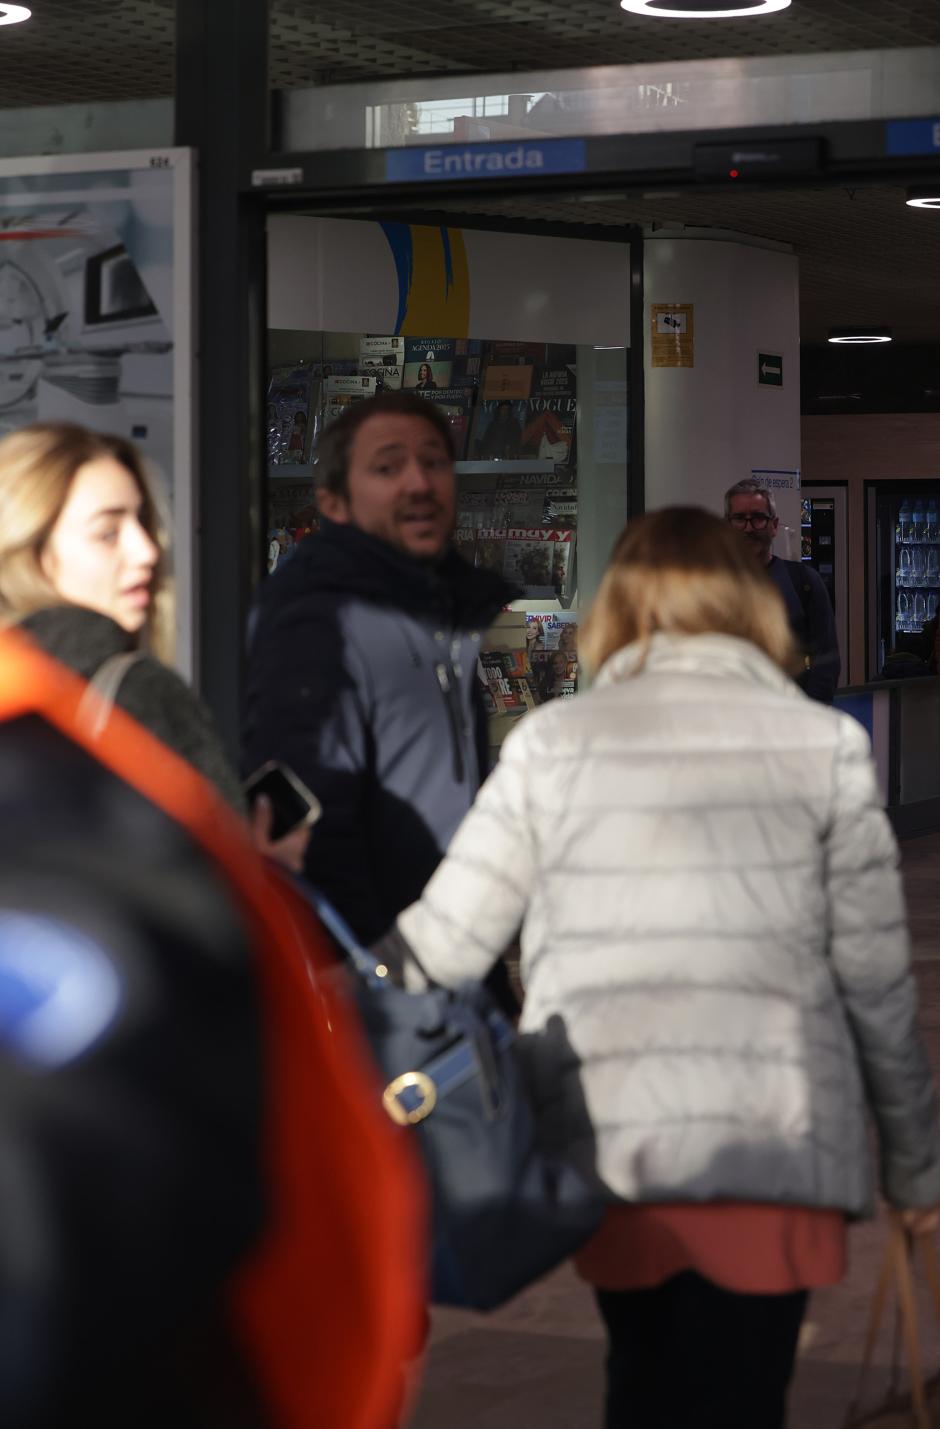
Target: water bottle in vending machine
904, 566
904, 521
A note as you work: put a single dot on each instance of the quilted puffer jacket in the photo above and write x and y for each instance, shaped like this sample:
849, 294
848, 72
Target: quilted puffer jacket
713, 935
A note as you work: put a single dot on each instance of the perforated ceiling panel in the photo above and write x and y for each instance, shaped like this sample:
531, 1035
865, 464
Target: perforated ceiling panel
864, 255
316, 41
77, 50
73, 51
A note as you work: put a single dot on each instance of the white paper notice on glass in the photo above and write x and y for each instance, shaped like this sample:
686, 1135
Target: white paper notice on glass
610, 422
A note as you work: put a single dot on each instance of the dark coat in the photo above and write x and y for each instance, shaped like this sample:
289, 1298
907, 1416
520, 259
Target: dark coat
813, 625
150, 692
362, 678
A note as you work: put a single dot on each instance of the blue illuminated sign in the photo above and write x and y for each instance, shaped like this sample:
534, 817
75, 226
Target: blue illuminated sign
912, 136
524, 159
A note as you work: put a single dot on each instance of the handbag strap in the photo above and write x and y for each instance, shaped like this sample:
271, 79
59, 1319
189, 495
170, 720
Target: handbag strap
908, 1307
364, 963
97, 702
370, 968
454, 1066
897, 1266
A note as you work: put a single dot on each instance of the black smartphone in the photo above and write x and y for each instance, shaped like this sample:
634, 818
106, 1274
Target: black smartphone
291, 801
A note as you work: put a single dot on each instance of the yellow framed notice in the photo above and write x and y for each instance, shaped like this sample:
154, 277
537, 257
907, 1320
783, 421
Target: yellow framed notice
672, 330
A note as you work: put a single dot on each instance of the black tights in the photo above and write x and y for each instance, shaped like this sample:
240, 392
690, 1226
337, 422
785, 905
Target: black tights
690, 1355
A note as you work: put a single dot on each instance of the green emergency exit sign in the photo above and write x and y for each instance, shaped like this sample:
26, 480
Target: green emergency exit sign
769, 369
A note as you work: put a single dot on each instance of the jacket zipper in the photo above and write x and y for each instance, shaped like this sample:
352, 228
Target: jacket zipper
452, 702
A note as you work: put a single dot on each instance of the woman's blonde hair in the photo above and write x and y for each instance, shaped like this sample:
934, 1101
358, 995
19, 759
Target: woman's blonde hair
685, 572
37, 466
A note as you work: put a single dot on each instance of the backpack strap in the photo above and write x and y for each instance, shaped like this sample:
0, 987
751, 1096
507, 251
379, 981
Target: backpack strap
97, 702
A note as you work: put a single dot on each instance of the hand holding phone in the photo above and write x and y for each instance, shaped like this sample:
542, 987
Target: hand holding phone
292, 803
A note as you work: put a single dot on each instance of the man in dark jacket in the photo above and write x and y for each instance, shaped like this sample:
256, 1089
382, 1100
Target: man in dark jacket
751, 510
362, 674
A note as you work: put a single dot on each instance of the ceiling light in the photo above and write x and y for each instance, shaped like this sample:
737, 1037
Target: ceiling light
925, 196
702, 9
13, 14
851, 335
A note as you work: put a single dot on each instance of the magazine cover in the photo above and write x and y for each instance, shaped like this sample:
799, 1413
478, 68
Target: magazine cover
384, 359
560, 508
465, 541
549, 431
291, 515
476, 509
456, 403
518, 508
528, 561
549, 481
495, 684
554, 675
504, 380
491, 549
429, 362
382, 351
497, 430
500, 351
339, 392
335, 367
552, 630
466, 370
288, 424
539, 559
387, 379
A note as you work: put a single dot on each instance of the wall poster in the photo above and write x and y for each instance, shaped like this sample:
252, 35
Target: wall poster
672, 334
96, 324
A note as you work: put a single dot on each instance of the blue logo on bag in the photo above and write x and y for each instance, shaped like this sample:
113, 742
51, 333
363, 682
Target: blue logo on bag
59, 991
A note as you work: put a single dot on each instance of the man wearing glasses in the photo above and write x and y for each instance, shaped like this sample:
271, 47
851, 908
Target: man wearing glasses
750, 509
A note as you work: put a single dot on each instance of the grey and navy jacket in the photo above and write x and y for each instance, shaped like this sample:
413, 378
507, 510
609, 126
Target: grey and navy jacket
362, 678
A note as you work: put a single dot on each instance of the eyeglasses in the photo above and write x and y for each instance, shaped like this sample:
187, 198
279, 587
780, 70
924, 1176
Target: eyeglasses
758, 519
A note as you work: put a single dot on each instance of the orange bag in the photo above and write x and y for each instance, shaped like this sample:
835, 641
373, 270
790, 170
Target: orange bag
329, 1304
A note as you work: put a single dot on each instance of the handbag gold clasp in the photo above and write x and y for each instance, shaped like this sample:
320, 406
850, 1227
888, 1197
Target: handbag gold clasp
418, 1081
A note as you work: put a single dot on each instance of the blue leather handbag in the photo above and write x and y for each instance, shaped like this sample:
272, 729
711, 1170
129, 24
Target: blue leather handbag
504, 1212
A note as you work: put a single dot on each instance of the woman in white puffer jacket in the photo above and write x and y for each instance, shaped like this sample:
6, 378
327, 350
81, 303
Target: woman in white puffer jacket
716, 966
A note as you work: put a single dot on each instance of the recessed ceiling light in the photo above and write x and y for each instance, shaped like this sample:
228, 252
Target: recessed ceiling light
924, 196
702, 9
13, 14
851, 335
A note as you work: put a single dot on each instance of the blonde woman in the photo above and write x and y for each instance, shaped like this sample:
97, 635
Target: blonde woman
715, 959
83, 571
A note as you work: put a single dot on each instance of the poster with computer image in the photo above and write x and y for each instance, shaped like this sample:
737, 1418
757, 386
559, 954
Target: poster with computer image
96, 317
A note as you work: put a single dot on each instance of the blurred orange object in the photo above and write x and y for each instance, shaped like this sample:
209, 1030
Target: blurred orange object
330, 1304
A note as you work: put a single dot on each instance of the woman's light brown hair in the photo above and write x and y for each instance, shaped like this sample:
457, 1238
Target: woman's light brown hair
685, 572
37, 465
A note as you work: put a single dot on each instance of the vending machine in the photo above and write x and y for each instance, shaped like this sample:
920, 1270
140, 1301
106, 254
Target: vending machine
904, 574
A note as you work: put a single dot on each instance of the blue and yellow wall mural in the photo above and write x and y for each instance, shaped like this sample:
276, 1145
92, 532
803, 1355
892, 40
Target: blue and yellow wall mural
433, 279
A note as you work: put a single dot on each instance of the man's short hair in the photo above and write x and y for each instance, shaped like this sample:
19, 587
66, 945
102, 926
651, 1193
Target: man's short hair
332, 465
750, 487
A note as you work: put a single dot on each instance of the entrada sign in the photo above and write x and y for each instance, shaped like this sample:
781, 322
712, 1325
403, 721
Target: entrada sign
912, 136
523, 159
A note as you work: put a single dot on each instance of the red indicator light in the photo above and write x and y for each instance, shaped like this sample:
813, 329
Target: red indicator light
734, 173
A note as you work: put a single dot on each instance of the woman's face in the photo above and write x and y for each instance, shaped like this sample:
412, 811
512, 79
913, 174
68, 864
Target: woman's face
424, 373
98, 553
